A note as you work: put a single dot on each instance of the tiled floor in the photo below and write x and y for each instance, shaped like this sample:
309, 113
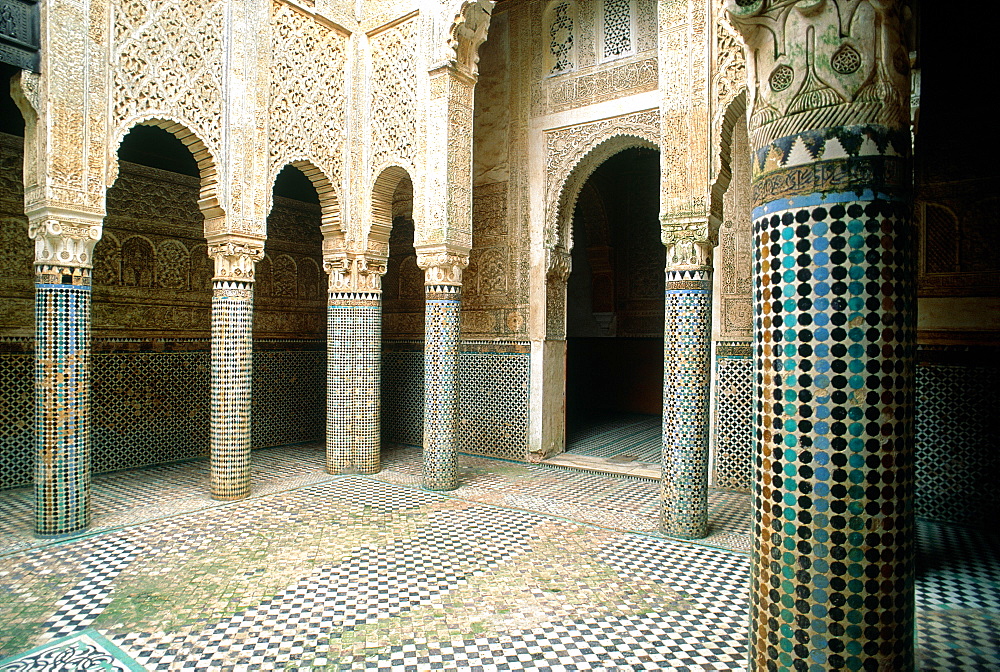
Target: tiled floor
522, 567
625, 437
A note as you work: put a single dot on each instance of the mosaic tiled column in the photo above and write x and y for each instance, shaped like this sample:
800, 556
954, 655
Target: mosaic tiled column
832, 578
63, 261
354, 351
443, 285
232, 365
686, 375
62, 399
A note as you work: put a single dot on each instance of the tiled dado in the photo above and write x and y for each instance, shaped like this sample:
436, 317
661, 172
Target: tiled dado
732, 418
150, 401
493, 383
955, 459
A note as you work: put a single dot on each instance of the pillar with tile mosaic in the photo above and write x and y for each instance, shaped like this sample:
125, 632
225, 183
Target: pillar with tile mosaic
63, 261
443, 287
832, 578
232, 363
686, 374
354, 342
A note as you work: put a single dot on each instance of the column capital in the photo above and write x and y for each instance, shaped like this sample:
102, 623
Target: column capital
64, 238
235, 257
558, 264
442, 264
689, 254
818, 64
354, 272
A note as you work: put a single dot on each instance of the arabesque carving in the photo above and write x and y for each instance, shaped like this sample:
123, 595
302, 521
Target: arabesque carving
853, 70
167, 60
308, 99
64, 239
598, 85
729, 80
235, 258
467, 34
394, 106
442, 266
355, 273
565, 151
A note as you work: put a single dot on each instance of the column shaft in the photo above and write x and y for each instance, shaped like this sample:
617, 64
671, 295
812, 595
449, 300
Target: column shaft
686, 379
232, 364
832, 565
62, 400
832, 576
340, 346
368, 389
443, 308
354, 354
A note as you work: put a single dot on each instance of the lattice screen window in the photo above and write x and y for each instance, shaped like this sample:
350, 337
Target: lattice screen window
617, 35
560, 20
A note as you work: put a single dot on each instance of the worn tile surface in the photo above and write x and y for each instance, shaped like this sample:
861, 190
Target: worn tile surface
522, 567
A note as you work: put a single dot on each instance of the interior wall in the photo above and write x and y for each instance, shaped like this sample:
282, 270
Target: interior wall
151, 362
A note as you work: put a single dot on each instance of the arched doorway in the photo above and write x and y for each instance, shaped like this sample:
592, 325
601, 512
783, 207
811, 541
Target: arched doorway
152, 289
614, 313
17, 277
289, 379
402, 384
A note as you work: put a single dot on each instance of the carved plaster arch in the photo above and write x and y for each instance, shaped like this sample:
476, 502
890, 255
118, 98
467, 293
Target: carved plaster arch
729, 82
735, 112
467, 33
329, 199
577, 169
381, 212
209, 201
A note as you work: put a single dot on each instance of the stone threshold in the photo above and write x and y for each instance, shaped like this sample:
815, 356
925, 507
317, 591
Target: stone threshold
604, 465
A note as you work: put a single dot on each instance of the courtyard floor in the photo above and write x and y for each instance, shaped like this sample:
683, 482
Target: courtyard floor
522, 567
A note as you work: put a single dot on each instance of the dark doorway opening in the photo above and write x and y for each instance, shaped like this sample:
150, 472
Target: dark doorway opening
614, 326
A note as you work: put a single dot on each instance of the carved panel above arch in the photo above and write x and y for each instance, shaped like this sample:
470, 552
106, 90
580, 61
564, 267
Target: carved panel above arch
729, 79
166, 60
570, 158
394, 96
308, 93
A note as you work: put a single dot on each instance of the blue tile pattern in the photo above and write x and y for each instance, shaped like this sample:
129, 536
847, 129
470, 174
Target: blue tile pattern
354, 371
834, 312
443, 310
340, 339
686, 366
62, 400
232, 347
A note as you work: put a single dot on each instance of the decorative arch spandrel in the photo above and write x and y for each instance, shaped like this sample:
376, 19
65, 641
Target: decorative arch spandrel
574, 152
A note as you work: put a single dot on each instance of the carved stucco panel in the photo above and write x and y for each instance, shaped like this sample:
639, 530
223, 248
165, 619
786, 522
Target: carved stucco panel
394, 97
308, 94
167, 61
566, 148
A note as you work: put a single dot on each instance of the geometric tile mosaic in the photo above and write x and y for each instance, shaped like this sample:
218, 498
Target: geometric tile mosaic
86, 650
955, 456
493, 404
429, 581
17, 419
402, 397
85, 601
733, 437
631, 437
289, 397
151, 408
957, 460
493, 401
148, 408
